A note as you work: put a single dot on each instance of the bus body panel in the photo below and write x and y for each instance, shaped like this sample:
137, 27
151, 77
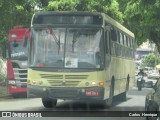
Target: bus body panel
121, 72
74, 82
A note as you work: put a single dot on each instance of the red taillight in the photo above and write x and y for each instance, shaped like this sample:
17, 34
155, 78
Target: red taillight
41, 65
10, 70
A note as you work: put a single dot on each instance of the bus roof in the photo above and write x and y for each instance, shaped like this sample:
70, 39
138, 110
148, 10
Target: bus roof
105, 16
68, 13
118, 25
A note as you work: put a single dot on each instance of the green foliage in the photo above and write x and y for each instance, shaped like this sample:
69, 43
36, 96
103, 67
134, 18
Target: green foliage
1, 78
61, 5
150, 60
140, 16
13, 12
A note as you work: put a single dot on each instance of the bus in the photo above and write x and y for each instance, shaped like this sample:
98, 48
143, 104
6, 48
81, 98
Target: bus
17, 61
79, 56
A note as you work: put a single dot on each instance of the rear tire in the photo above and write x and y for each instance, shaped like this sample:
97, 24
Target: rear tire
49, 103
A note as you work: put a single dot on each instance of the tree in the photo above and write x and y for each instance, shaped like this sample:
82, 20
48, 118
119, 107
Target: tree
142, 17
111, 7
150, 60
19, 12
13, 12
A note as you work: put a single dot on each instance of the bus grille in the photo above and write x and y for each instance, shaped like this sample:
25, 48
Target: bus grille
50, 76
64, 80
63, 83
76, 76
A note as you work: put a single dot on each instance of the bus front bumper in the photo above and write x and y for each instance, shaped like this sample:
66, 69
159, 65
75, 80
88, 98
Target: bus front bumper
93, 93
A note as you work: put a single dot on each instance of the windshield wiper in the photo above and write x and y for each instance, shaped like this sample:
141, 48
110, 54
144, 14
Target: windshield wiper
57, 40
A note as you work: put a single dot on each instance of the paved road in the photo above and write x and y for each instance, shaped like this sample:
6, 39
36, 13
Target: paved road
135, 102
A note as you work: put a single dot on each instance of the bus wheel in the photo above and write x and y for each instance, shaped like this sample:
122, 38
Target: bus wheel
109, 101
49, 103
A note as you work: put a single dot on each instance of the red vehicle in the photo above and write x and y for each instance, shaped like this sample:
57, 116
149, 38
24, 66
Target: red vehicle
17, 62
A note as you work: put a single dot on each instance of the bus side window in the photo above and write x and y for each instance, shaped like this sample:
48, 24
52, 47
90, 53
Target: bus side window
121, 39
113, 35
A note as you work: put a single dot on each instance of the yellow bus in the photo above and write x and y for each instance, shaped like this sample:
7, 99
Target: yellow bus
79, 56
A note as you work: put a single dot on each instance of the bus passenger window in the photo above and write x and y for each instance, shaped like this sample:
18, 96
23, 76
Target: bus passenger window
124, 36
121, 39
113, 35
118, 37
107, 43
127, 41
131, 43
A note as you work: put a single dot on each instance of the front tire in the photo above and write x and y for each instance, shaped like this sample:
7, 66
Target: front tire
49, 103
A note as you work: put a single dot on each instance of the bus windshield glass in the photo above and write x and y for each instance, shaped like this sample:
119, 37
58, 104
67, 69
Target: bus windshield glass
67, 47
19, 52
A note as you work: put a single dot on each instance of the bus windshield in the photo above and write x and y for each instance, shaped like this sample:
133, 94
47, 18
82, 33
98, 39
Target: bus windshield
67, 47
19, 52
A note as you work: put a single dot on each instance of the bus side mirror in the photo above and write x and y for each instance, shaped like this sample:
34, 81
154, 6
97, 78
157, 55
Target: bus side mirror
25, 41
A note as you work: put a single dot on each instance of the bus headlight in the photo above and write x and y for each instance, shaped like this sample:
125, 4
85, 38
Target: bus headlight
93, 83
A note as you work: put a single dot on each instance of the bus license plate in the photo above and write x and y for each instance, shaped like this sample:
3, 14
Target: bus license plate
92, 93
